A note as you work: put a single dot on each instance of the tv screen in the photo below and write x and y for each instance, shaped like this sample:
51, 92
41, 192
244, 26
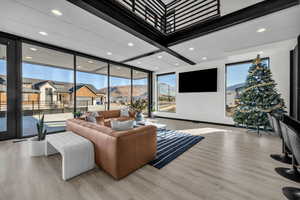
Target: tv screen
198, 81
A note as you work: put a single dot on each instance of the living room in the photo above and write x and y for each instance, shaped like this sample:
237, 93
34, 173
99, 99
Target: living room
151, 99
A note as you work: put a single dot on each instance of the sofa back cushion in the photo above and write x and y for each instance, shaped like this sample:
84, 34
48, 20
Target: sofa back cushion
97, 127
110, 114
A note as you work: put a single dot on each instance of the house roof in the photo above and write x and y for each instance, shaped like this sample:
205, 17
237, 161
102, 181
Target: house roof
41, 83
61, 87
91, 87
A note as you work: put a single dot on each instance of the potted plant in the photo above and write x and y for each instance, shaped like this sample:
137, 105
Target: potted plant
37, 144
138, 106
77, 114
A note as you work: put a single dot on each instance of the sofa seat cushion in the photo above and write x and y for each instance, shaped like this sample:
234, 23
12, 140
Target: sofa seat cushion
121, 125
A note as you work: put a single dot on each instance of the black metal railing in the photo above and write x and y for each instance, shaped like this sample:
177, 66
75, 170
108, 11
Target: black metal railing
183, 13
175, 15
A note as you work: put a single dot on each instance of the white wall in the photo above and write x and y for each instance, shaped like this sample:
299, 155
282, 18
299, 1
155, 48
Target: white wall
210, 107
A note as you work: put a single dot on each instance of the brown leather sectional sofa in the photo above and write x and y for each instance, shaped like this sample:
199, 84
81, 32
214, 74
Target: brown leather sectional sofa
117, 152
109, 115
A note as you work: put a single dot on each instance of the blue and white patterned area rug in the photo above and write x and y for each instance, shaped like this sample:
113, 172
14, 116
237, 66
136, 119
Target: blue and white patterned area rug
171, 144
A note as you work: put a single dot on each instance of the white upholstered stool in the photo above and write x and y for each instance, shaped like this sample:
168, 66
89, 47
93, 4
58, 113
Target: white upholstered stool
76, 151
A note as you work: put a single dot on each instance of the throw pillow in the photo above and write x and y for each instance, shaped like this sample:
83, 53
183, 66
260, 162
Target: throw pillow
90, 118
124, 112
121, 125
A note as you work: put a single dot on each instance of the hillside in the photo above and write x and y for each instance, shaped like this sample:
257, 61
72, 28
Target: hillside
116, 91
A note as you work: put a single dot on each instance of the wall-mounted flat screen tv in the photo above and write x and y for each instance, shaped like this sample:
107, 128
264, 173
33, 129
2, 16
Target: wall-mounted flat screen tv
198, 81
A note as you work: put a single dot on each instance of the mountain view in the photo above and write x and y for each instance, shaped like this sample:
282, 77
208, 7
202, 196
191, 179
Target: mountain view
124, 90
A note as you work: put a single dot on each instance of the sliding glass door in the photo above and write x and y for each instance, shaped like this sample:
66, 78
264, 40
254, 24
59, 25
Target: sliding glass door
37, 79
47, 88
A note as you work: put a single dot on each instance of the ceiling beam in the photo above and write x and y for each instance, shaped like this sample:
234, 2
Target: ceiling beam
141, 56
118, 15
249, 13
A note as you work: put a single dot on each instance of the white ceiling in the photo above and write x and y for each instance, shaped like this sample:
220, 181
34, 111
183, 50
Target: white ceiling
81, 31
76, 29
280, 26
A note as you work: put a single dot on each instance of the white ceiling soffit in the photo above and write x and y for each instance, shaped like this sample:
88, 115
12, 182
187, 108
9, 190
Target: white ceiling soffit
279, 26
229, 6
76, 29
158, 62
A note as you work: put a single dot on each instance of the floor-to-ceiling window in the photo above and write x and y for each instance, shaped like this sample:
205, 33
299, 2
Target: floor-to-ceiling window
120, 87
140, 86
47, 82
166, 92
3, 89
236, 75
51, 87
91, 84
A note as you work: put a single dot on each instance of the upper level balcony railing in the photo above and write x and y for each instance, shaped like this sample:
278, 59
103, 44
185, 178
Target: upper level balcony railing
175, 15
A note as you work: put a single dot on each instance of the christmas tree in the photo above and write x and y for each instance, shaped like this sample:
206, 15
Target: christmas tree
257, 98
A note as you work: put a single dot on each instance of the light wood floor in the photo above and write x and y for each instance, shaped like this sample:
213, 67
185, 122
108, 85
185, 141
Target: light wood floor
229, 164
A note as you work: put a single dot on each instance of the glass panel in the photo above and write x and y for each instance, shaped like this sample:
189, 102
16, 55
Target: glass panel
91, 85
140, 86
236, 75
120, 87
3, 88
48, 80
166, 92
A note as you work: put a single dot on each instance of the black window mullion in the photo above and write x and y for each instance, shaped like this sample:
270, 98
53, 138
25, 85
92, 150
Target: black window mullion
108, 86
131, 83
75, 81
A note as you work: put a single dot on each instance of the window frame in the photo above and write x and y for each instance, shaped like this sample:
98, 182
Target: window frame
17, 58
237, 63
157, 95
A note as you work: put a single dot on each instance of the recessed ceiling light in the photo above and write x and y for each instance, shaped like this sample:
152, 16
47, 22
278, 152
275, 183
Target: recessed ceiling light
156, 68
176, 64
78, 66
118, 67
138, 62
43, 33
191, 48
130, 44
109, 53
136, 72
261, 30
261, 52
33, 49
56, 12
89, 61
159, 57
28, 57
204, 58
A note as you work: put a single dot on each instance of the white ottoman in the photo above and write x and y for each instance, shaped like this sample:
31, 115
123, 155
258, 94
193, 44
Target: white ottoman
76, 151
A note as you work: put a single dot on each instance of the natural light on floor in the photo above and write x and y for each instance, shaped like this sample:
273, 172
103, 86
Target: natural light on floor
203, 131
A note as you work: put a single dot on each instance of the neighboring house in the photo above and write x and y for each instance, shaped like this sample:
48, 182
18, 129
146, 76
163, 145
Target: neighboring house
43, 93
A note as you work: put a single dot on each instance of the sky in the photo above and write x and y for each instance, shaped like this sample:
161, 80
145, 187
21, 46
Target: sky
63, 75
237, 73
168, 79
